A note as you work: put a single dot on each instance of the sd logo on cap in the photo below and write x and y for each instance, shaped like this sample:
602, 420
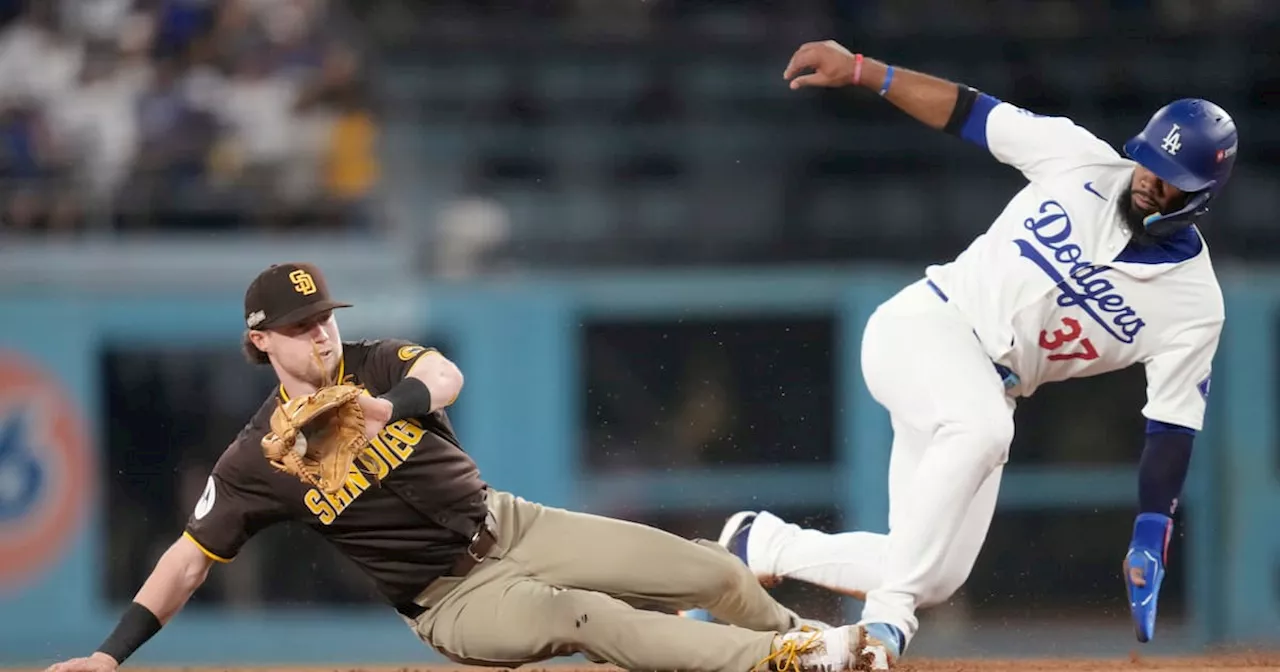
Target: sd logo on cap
286, 294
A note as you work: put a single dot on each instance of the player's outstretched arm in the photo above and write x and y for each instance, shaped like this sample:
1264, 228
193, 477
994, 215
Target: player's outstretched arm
1178, 382
930, 100
1036, 145
180, 571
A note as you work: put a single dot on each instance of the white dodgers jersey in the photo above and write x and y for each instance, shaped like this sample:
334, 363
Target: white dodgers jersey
1053, 288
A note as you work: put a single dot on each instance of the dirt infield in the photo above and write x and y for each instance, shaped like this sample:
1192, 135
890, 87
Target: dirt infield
1268, 661
1154, 664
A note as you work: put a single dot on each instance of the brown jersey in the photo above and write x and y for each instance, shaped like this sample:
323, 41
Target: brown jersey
404, 528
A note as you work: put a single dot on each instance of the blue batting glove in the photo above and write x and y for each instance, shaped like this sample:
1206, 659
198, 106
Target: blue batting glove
1144, 569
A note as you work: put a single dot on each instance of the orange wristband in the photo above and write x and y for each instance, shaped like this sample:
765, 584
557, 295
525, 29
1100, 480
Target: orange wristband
857, 69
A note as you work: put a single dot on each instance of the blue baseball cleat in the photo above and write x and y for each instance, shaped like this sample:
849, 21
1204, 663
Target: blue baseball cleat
1144, 570
733, 536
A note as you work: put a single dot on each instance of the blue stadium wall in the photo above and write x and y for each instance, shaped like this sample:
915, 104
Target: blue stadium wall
521, 364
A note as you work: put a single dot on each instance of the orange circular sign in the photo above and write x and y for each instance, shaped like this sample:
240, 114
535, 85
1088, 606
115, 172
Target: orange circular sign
46, 468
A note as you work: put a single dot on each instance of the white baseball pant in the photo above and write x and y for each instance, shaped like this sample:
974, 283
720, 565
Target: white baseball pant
952, 426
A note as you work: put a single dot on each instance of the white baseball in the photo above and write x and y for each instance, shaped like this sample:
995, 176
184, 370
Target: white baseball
300, 444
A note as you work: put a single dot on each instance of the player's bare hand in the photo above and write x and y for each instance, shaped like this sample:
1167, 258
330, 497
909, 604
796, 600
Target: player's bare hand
377, 412
98, 662
832, 65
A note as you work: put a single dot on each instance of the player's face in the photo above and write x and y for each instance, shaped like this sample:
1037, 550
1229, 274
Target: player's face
1149, 194
294, 347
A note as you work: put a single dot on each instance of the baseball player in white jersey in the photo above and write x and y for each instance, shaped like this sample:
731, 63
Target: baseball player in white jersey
1095, 265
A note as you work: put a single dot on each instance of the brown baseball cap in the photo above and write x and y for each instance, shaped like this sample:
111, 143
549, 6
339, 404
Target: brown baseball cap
286, 294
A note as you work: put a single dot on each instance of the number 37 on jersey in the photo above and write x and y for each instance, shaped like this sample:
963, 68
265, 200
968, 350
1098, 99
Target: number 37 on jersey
1065, 343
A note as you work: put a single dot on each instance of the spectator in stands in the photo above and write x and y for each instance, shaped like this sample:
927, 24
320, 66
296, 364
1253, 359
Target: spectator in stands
239, 108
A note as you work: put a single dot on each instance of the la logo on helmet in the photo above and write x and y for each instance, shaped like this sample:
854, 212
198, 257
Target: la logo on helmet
1172, 141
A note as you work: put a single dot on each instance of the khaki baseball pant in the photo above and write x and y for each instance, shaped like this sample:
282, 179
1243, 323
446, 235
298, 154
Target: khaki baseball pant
559, 583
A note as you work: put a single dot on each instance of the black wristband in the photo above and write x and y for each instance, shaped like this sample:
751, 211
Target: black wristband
136, 626
410, 398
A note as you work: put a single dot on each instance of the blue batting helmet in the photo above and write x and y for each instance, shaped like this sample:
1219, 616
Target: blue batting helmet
1191, 144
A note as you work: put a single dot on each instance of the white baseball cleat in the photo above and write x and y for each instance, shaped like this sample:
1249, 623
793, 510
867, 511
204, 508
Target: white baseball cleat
808, 650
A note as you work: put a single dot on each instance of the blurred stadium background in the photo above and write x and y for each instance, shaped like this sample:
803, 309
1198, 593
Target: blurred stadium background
651, 259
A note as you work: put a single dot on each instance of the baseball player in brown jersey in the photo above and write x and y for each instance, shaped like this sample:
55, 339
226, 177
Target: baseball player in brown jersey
483, 576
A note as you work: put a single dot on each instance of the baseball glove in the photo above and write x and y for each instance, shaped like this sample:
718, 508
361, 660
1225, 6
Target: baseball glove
318, 437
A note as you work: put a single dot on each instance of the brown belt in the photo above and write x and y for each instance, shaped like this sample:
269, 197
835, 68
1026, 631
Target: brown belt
475, 553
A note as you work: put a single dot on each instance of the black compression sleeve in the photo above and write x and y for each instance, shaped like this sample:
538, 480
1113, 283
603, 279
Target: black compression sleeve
410, 398
136, 626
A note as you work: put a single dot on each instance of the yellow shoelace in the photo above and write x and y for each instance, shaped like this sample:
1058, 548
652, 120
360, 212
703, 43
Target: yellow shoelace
786, 658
